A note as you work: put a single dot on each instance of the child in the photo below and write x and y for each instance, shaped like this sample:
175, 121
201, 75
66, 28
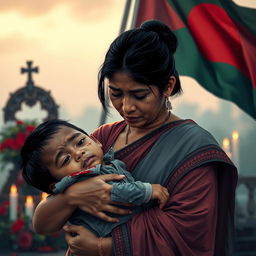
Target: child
57, 154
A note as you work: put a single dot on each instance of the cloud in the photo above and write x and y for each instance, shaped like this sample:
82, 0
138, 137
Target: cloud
16, 43
84, 10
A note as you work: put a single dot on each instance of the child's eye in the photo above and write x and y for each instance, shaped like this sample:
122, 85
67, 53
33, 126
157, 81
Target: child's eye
65, 161
80, 142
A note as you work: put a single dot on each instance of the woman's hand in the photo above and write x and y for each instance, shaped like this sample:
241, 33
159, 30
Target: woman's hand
93, 197
82, 242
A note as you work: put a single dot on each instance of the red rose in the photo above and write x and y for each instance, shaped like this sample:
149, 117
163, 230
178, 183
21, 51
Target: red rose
24, 240
45, 248
19, 122
2, 147
20, 139
30, 128
2, 210
17, 225
9, 143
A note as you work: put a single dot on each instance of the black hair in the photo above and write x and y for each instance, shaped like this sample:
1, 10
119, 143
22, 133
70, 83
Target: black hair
34, 172
145, 54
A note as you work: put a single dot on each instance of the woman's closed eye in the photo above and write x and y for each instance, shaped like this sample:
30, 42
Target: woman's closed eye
140, 97
116, 95
136, 96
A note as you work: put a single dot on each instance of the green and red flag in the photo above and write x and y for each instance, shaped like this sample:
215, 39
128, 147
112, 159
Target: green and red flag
217, 44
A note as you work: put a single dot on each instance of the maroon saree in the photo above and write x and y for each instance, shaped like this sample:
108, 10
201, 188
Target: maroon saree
198, 219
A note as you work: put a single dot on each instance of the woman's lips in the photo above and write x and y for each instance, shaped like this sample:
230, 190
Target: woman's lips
132, 119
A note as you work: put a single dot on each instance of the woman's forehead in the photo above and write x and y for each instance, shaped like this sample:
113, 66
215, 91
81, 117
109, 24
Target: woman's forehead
121, 77
124, 81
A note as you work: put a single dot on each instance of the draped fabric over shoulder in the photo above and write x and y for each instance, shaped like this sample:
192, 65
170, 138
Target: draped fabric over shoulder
201, 179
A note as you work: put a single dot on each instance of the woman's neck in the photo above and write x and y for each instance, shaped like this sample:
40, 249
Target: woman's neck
131, 134
134, 133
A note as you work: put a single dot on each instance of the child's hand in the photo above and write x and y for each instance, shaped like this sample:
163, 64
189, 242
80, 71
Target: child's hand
161, 193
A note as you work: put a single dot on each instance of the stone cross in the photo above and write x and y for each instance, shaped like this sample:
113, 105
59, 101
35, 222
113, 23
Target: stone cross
29, 70
30, 94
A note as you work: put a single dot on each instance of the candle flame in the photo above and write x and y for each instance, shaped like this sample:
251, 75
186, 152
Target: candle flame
13, 189
29, 200
235, 135
226, 143
44, 195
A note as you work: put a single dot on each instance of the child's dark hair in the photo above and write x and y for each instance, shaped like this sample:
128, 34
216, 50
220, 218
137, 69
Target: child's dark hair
34, 172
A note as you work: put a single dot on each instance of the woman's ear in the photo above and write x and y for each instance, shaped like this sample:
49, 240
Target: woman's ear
170, 86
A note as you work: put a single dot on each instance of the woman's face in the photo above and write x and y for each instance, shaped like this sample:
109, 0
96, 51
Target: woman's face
140, 105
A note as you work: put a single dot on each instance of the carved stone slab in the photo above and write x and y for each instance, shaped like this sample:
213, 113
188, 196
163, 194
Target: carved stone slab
30, 94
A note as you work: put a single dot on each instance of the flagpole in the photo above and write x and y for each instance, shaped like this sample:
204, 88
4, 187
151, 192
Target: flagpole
103, 116
135, 13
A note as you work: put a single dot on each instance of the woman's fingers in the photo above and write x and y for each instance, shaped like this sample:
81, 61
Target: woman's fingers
81, 241
93, 197
116, 210
105, 217
122, 204
106, 208
111, 177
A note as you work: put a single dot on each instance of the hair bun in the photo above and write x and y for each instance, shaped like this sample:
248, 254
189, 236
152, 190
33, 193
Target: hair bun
163, 32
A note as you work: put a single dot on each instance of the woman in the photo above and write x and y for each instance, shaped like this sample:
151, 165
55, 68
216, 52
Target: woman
157, 147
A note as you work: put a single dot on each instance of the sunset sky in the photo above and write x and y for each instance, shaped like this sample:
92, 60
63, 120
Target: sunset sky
68, 39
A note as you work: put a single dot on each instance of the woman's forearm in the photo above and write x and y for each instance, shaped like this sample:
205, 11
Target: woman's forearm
51, 214
107, 246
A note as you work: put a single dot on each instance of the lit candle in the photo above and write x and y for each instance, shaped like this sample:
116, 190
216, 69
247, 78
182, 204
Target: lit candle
235, 148
13, 202
226, 146
44, 195
29, 206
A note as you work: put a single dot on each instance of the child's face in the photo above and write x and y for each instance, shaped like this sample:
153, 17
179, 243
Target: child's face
71, 151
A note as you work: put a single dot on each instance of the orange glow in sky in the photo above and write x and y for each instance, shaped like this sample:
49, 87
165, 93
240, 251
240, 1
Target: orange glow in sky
68, 40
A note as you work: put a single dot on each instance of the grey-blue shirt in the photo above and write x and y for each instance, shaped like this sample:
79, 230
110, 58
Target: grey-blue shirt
127, 190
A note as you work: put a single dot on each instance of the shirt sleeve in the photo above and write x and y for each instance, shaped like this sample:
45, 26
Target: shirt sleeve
63, 184
135, 192
185, 226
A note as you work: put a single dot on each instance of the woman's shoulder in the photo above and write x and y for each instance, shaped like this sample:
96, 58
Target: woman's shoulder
192, 131
109, 128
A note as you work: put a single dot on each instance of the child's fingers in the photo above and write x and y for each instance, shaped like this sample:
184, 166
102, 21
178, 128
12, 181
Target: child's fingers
163, 198
162, 203
166, 193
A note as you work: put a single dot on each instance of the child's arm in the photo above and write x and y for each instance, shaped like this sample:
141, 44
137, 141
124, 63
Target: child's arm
138, 192
92, 196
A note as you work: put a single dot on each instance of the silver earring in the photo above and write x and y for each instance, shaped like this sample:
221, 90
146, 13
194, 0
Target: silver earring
168, 104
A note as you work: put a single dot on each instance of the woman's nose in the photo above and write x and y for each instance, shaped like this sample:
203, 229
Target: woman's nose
128, 105
79, 154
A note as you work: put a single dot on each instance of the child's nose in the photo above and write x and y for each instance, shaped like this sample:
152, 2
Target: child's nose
79, 154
